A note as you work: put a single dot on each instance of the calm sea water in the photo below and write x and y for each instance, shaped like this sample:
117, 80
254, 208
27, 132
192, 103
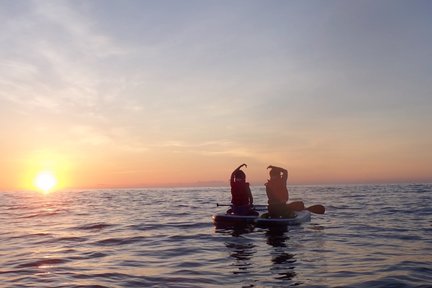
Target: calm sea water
371, 236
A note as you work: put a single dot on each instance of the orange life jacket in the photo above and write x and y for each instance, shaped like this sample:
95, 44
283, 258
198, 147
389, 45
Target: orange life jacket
240, 192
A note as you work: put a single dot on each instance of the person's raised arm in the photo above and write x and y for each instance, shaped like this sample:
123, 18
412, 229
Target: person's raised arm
280, 170
238, 168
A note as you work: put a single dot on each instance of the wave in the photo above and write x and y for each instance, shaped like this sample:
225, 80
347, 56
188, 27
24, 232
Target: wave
94, 226
43, 263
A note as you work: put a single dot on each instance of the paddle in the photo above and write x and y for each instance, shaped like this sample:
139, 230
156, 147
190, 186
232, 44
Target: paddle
299, 205
317, 209
219, 205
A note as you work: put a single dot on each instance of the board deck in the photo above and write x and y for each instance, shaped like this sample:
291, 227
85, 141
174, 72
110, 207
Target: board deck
232, 218
300, 217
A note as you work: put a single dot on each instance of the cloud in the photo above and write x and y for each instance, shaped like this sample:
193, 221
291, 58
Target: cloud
222, 80
56, 64
71, 25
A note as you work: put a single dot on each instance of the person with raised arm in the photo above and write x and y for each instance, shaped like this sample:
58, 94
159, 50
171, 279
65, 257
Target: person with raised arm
277, 194
241, 195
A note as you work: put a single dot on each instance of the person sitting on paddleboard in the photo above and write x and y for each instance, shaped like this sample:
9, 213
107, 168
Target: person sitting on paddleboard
241, 195
277, 193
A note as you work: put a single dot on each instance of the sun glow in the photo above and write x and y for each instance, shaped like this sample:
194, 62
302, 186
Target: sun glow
45, 181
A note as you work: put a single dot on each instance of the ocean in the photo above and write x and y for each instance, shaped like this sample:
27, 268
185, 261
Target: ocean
370, 236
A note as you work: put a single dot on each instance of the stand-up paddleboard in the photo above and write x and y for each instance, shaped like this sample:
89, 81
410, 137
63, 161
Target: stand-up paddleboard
299, 218
233, 219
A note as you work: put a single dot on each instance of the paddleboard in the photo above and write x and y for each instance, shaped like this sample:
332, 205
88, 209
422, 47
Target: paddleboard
300, 217
233, 219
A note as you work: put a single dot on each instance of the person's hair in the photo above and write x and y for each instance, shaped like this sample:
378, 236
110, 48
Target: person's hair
274, 172
239, 174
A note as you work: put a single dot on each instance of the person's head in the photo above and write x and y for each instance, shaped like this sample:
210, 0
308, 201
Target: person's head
239, 176
275, 173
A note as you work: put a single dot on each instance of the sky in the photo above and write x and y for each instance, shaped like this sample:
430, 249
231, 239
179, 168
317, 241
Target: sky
138, 93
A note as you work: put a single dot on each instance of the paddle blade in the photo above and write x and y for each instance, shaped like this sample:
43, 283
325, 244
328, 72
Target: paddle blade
317, 209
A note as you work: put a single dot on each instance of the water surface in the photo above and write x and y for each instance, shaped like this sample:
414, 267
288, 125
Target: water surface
371, 236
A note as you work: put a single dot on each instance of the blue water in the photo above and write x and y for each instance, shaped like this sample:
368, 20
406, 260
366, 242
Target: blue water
370, 236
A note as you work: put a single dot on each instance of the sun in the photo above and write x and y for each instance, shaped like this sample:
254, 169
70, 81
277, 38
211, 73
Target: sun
45, 181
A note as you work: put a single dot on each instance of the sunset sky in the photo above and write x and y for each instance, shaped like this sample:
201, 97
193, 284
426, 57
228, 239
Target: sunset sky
145, 93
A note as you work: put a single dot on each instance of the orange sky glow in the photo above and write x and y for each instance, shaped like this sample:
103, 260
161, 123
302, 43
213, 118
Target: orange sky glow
335, 93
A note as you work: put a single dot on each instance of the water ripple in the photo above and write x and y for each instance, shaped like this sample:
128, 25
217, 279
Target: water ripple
42, 263
94, 226
371, 236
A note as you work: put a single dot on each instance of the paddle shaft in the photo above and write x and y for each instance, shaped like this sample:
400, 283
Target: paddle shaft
227, 205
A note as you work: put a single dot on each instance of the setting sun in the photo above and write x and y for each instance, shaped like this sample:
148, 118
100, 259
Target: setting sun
45, 181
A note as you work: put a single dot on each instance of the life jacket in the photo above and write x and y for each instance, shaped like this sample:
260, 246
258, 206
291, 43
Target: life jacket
277, 191
240, 193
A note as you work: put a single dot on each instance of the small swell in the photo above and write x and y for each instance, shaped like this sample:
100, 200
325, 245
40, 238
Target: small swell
30, 236
42, 214
96, 255
120, 241
42, 263
71, 239
94, 226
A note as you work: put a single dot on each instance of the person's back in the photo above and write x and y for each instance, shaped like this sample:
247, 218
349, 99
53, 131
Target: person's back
241, 195
277, 192
240, 192
276, 186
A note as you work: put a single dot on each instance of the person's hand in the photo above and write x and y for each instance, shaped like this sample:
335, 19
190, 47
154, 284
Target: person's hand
238, 168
